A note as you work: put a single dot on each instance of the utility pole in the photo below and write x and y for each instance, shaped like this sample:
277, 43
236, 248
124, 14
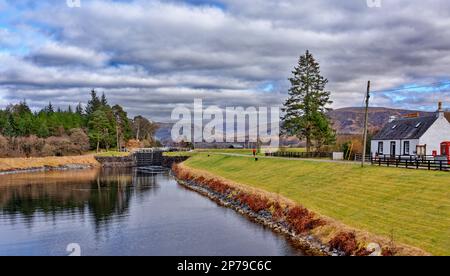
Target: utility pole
366, 122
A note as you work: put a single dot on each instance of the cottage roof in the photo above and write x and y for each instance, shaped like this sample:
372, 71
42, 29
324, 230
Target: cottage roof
406, 128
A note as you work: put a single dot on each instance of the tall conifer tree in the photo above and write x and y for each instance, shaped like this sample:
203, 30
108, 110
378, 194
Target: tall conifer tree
305, 109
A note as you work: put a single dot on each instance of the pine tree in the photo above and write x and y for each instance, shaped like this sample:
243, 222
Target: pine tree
10, 127
93, 104
79, 109
124, 129
98, 128
69, 109
305, 109
104, 101
49, 109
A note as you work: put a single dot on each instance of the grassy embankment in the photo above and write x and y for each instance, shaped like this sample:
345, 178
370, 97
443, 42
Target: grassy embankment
248, 151
11, 164
413, 206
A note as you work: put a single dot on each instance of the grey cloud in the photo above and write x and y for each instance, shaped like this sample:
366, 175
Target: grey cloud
150, 56
54, 54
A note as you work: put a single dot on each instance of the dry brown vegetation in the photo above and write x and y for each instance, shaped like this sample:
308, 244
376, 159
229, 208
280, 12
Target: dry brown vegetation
11, 164
345, 242
75, 143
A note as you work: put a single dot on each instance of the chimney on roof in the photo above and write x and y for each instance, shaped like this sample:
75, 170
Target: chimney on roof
412, 115
392, 118
440, 111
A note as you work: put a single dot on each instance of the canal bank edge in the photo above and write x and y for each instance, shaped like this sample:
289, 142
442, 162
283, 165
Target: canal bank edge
39, 164
316, 234
61, 163
130, 161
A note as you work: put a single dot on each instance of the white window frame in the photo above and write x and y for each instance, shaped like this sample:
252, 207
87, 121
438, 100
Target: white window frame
405, 152
381, 147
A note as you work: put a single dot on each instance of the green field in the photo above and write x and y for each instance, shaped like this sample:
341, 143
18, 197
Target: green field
249, 151
179, 153
232, 151
414, 205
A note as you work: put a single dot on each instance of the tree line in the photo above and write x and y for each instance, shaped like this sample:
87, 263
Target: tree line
53, 131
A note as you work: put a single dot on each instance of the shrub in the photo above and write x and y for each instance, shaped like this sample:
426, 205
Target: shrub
3, 146
48, 150
278, 213
79, 139
254, 202
301, 219
345, 242
133, 144
388, 251
30, 146
219, 187
362, 252
61, 145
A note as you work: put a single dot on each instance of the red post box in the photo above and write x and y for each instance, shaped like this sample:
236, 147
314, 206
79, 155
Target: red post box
445, 150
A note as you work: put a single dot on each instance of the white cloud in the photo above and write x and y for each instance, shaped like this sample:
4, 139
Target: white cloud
156, 54
58, 54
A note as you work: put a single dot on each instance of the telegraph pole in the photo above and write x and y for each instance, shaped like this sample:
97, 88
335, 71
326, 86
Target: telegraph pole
366, 122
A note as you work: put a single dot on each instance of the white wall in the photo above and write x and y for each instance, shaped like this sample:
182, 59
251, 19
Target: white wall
399, 144
435, 135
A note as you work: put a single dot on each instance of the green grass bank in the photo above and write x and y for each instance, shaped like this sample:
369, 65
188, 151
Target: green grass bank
413, 206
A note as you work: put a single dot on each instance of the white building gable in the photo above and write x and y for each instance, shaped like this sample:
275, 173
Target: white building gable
412, 136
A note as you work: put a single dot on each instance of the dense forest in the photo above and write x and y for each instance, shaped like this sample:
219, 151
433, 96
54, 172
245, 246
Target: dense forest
51, 131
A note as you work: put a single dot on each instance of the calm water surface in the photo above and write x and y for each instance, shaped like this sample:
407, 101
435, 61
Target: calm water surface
122, 212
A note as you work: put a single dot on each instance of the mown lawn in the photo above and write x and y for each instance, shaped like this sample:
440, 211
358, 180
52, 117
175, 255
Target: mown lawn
413, 205
232, 151
249, 151
179, 153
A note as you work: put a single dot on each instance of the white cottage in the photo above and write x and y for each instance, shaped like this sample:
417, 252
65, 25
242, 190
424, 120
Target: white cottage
413, 136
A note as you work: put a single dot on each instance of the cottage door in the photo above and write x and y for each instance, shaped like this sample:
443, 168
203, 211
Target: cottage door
393, 148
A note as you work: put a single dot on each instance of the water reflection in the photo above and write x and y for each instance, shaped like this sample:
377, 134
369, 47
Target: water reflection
122, 212
103, 193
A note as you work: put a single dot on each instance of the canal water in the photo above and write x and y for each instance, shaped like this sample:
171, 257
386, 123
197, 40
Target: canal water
123, 212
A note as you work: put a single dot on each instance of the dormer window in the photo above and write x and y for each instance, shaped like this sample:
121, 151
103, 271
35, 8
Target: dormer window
418, 125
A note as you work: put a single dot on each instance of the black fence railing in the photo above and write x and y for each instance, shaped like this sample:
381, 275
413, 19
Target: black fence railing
289, 154
440, 163
358, 157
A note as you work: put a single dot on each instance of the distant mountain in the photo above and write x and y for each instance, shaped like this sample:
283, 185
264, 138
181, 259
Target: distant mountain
350, 120
163, 133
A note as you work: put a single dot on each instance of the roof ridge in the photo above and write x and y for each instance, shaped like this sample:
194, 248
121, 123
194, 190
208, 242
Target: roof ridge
406, 128
416, 118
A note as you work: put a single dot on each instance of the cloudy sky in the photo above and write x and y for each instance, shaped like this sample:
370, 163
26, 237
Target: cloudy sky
150, 56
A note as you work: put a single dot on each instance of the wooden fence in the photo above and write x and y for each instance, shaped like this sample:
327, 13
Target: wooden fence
412, 162
358, 157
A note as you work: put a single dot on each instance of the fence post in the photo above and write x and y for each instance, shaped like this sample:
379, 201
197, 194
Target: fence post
440, 165
429, 165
